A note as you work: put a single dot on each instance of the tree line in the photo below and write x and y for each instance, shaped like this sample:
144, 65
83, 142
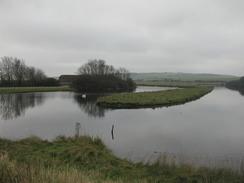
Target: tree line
14, 72
96, 76
237, 85
100, 68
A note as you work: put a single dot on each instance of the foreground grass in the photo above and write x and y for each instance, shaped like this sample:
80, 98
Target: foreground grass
12, 172
7, 90
87, 160
154, 99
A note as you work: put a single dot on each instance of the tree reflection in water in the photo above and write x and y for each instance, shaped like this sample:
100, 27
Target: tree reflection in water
241, 92
89, 106
14, 105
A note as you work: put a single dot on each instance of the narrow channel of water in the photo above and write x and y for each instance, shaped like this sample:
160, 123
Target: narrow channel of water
208, 131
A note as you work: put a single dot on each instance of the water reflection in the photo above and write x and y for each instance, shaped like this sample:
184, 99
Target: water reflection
241, 92
207, 132
89, 106
14, 105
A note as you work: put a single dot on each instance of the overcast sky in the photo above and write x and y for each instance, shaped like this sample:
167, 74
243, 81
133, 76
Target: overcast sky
200, 36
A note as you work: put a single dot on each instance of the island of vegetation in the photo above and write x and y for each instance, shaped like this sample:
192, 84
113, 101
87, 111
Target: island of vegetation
236, 85
154, 99
98, 77
87, 160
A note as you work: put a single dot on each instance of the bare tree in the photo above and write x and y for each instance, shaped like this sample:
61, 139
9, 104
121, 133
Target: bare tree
30, 74
97, 76
97, 67
13, 72
40, 75
123, 73
19, 69
7, 69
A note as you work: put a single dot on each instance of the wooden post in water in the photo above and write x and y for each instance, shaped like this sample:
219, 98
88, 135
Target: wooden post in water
112, 132
77, 129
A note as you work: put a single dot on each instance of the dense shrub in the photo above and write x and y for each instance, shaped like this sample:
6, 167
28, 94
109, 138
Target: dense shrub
97, 77
102, 83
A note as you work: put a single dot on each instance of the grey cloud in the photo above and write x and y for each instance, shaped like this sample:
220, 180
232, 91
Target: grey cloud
145, 36
65, 38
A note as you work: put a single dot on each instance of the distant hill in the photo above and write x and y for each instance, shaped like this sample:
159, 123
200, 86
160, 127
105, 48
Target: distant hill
182, 77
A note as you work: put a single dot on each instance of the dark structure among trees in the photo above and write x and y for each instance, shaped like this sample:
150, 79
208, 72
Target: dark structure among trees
96, 77
67, 79
14, 72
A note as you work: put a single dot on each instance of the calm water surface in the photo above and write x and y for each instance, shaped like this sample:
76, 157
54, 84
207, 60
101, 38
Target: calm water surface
208, 131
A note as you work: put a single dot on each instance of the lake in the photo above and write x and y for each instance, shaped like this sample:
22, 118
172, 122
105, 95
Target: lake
208, 131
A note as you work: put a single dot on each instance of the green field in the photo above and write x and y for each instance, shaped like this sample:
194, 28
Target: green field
87, 160
182, 84
181, 79
167, 76
153, 99
33, 89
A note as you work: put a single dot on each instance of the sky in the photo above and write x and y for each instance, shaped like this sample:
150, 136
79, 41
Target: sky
58, 36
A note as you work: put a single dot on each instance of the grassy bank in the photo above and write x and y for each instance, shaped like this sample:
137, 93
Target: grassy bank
153, 99
87, 160
33, 89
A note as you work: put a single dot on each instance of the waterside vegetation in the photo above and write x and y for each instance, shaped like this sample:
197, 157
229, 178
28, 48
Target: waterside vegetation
153, 99
97, 77
87, 160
